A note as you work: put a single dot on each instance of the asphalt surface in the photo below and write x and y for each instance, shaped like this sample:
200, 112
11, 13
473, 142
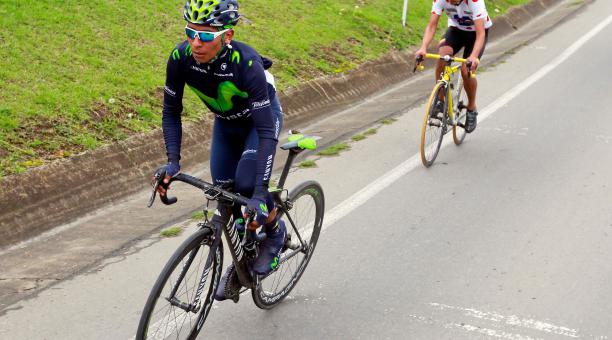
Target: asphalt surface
506, 236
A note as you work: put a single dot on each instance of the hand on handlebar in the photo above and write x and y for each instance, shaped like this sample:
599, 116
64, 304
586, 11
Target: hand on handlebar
257, 206
419, 56
166, 172
472, 63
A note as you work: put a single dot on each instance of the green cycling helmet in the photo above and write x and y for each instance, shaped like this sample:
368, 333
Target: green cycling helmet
211, 12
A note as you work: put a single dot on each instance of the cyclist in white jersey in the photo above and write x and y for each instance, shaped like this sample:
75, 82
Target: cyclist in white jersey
468, 28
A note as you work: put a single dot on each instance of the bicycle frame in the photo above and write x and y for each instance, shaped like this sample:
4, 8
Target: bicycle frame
223, 221
446, 78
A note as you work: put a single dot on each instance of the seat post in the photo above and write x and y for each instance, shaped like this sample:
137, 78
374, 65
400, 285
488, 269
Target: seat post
288, 162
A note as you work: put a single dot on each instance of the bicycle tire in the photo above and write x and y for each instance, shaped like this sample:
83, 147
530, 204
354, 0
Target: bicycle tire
148, 317
307, 199
433, 129
460, 111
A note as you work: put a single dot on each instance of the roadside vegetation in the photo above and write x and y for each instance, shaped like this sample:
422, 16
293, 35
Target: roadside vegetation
307, 164
82, 74
358, 137
171, 232
334, 150
199, 215
388, 121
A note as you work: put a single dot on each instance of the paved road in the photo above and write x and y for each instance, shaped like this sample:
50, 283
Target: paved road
507, 236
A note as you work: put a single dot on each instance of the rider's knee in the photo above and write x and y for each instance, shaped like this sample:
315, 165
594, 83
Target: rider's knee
445, 50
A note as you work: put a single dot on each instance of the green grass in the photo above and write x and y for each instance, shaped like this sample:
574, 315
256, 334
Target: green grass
307, 164
171, 232
334, 150
358, 137
370, 132
199, 215
77, 75
388, 121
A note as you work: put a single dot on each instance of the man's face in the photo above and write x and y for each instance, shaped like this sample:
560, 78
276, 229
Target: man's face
204, 51
456, 2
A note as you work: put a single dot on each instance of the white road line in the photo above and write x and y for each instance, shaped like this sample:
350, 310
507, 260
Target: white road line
490, 332
512, 320
496, 333
363, 195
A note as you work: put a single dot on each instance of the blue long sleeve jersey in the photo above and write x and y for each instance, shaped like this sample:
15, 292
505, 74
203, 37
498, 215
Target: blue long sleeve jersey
233, 87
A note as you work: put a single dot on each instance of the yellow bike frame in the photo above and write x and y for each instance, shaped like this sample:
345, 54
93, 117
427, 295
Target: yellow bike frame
446, 76
428, 155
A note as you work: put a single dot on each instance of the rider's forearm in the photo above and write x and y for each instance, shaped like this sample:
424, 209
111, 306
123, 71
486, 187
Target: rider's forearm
478, 43
267, 133
173, 132
265, 161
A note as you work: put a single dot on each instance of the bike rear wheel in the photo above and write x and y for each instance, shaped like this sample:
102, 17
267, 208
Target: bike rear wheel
303, 221
162, 318
434, 127
460, 99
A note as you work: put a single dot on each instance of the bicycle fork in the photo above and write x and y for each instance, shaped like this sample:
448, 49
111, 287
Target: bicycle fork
194, 306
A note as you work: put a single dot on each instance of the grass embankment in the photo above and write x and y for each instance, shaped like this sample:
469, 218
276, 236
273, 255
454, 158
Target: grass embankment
80, 74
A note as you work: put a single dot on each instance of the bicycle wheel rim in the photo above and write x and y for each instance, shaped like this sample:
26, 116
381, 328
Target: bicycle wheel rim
432, 130
160, 319
307, 216
460, 100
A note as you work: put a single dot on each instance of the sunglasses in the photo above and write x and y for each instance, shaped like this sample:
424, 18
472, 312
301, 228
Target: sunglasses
204, 36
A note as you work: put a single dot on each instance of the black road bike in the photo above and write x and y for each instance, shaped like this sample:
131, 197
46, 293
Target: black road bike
183, 294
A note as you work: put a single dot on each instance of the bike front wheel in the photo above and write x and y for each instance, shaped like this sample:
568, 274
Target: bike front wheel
303, 219
434, 126
460, 99
183, 293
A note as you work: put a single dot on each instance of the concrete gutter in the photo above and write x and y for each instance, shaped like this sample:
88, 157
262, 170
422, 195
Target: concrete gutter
45, 197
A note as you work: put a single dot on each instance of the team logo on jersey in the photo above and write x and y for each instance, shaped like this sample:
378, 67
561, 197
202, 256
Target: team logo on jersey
225, 92
464, 21
223, 66
263, 103
224, 74
195, 68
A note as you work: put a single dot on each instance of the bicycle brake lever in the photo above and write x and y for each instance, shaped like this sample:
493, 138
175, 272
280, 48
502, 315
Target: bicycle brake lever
471, 73
418, 65
164, 198
158, 181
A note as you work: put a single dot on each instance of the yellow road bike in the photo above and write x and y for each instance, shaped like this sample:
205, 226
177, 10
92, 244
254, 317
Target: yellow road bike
447, 106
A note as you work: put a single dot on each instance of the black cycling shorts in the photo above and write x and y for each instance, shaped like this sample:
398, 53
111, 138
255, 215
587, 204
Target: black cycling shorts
457, 39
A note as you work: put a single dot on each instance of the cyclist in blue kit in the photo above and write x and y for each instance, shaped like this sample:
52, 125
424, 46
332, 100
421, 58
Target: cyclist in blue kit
232, 80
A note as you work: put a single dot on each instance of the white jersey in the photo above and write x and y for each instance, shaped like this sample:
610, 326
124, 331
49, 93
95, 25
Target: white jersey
463, 16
